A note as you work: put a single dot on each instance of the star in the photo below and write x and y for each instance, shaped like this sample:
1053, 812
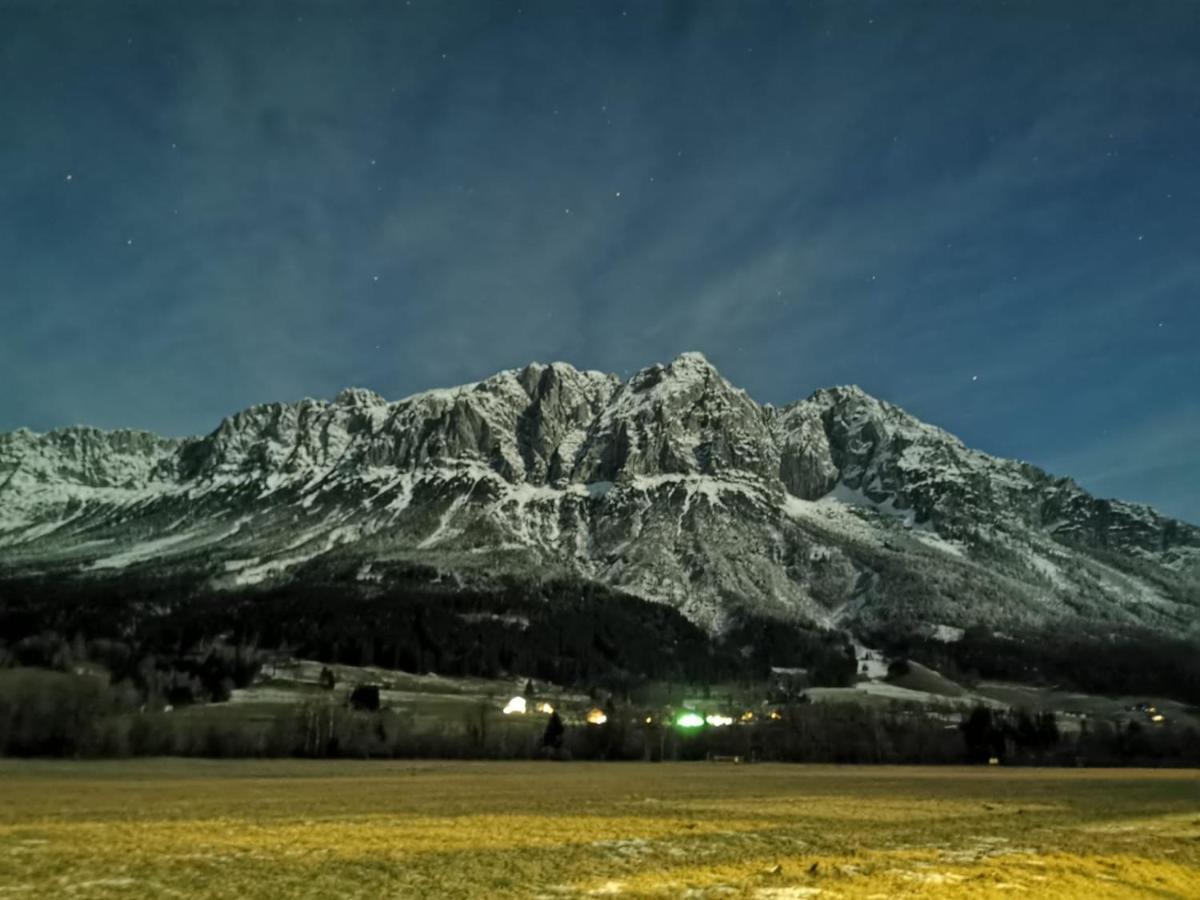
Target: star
974, 377
618, 193
69, 176
374, 277
129, 242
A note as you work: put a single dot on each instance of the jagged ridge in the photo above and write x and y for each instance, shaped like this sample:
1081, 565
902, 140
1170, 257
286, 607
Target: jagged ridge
673, 485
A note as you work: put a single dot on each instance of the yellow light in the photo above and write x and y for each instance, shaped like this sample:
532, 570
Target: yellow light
776, 715
1158, 718
649, 720
596, 717
515, 705
545, 708
747, 716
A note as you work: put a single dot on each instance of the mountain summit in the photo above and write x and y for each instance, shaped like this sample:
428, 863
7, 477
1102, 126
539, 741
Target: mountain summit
675, 486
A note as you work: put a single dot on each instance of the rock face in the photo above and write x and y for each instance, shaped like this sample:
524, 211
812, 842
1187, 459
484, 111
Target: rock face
679, 419
674, 485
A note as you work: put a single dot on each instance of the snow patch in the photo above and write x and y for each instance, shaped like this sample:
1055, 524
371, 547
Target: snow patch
142, 552
947, 634
851, 497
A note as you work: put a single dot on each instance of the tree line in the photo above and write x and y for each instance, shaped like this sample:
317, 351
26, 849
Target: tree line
1079, 656
176, 639
57, 714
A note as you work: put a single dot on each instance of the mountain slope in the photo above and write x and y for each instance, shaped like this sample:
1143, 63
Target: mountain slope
674, 486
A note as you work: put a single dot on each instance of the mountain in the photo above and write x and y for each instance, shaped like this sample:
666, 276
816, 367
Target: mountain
673, 486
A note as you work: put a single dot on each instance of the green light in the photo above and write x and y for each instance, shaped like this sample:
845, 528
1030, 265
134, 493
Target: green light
689, 720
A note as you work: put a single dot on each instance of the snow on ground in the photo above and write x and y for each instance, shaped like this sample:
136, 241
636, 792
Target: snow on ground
28, 535
895, 692
443, 529
935, 541
706, 486
886, 691
842, 510
570, 446
947, 634
23, 501
253, 573
850, 497
1048, 568
165, 546
870, 662
836, 517
266, 694
145, 550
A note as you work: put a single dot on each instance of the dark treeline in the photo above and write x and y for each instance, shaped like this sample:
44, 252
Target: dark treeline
176, 634
45, 713
1081, 656
87, 667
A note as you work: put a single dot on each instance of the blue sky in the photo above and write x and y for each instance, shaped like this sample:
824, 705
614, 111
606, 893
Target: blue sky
983, 212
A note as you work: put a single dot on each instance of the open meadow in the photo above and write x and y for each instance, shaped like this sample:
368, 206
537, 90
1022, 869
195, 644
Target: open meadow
274, 829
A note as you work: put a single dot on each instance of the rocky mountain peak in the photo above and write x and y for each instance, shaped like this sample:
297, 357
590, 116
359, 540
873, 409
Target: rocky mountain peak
355, 396
678, 418
674, 485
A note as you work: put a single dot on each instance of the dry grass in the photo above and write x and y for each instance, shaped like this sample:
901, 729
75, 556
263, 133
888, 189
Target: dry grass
185, 828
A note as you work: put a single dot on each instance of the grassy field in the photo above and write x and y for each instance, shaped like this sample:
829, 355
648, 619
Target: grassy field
263, 829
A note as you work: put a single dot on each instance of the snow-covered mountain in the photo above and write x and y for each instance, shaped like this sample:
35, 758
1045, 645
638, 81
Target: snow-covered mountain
674, 486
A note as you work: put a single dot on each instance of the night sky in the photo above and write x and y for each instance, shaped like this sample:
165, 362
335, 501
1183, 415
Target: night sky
987, 213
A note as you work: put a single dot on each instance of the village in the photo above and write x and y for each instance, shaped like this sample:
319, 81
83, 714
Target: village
663, 718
